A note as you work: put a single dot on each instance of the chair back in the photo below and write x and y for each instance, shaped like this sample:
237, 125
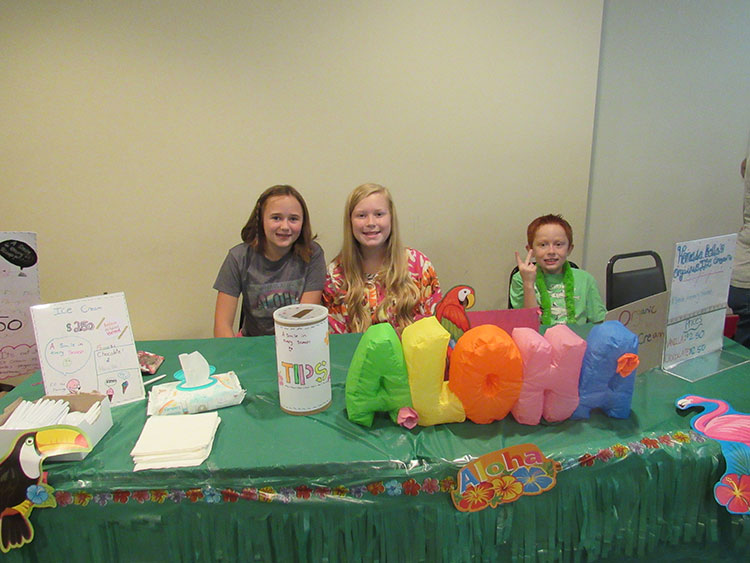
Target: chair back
242, 314
515, 269
631, 285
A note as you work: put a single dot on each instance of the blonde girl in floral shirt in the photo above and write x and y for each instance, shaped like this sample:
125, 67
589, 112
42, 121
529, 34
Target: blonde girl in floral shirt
374, 278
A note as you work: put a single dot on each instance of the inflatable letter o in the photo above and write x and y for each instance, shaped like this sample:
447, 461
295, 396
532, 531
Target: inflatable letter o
486, 372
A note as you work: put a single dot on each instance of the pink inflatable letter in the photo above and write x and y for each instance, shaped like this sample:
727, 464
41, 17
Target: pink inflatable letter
551, 366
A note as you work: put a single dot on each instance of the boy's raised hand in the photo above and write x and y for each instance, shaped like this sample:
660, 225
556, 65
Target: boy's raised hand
527, 268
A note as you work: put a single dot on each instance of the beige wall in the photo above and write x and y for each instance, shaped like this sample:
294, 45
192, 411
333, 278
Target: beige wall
136, 137
671, 128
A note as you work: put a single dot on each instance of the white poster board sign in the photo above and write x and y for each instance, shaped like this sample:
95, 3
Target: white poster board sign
697, 307
646, 318
19, 290
87, 345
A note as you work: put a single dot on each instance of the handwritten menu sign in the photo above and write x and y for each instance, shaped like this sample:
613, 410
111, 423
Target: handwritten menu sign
646, 318
697, 307
19, 289
87, 345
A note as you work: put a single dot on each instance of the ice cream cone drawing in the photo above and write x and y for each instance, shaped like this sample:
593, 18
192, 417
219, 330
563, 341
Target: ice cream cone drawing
110, 393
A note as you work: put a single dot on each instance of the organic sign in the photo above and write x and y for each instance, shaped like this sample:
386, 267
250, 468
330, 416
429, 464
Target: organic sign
647, 318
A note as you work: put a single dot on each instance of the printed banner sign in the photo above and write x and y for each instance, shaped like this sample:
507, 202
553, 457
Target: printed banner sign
87, 345
19, 290
697, 306
504, 476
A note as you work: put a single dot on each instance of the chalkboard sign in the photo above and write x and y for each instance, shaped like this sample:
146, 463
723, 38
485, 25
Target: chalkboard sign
19, 289
18, 253
88, 345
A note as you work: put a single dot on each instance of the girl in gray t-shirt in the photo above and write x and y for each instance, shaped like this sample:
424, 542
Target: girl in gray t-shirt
277, 264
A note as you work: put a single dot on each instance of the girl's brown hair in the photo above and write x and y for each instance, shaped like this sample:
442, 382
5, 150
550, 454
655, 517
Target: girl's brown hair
254, 235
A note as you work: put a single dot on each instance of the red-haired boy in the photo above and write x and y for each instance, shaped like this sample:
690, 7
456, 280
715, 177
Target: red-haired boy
564, 294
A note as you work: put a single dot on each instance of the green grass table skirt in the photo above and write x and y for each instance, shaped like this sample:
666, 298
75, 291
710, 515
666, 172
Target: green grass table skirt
278, 487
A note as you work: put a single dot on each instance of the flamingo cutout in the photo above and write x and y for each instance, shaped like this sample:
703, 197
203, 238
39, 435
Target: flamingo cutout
718, 421
732, 430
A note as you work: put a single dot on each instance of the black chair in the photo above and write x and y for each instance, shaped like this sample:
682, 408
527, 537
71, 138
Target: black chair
241, 303
631, 285
515, 269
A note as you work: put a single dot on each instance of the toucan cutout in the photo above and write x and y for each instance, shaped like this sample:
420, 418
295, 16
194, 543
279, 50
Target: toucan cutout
22, 482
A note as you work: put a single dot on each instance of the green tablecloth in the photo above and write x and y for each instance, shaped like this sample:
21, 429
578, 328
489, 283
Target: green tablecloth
283, 487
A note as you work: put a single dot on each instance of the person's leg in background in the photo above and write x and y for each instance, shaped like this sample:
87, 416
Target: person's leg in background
739, 302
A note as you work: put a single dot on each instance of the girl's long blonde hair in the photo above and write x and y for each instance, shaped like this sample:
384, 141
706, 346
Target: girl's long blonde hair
401, 292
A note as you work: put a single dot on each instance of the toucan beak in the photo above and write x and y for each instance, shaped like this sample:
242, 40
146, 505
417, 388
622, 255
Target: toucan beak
55, 441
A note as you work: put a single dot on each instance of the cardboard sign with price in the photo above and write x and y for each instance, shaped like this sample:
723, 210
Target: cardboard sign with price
87, 345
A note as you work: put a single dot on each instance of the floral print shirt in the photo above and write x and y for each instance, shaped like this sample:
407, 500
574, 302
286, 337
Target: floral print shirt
421, 271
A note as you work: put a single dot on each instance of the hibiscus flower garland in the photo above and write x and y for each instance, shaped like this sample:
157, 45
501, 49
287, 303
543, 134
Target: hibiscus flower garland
501, 489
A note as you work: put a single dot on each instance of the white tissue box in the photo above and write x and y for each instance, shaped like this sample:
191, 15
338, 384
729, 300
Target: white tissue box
79, 402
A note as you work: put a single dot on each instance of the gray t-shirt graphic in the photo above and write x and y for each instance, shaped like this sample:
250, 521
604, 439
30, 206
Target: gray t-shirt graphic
266, 285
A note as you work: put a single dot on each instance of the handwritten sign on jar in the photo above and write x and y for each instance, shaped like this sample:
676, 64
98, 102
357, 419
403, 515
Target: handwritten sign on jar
302, 358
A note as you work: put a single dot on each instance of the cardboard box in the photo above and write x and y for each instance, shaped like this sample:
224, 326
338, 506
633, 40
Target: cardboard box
80, 402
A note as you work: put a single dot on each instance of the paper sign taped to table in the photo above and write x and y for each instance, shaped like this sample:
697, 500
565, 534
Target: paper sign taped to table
19, 290
647, 318
87, 345
698, 298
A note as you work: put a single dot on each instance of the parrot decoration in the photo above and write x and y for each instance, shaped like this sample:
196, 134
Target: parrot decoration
451, 311
23, 484
451, 314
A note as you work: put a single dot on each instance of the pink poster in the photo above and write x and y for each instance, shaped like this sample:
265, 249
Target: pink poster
19, 289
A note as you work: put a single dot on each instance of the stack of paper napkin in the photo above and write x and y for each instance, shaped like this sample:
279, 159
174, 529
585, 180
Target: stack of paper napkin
48, 412
182, 440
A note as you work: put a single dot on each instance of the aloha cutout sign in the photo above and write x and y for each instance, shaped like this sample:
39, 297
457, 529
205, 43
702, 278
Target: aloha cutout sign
504, 476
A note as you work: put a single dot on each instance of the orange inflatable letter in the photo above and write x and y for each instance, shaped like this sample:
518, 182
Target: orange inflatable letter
486, 372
